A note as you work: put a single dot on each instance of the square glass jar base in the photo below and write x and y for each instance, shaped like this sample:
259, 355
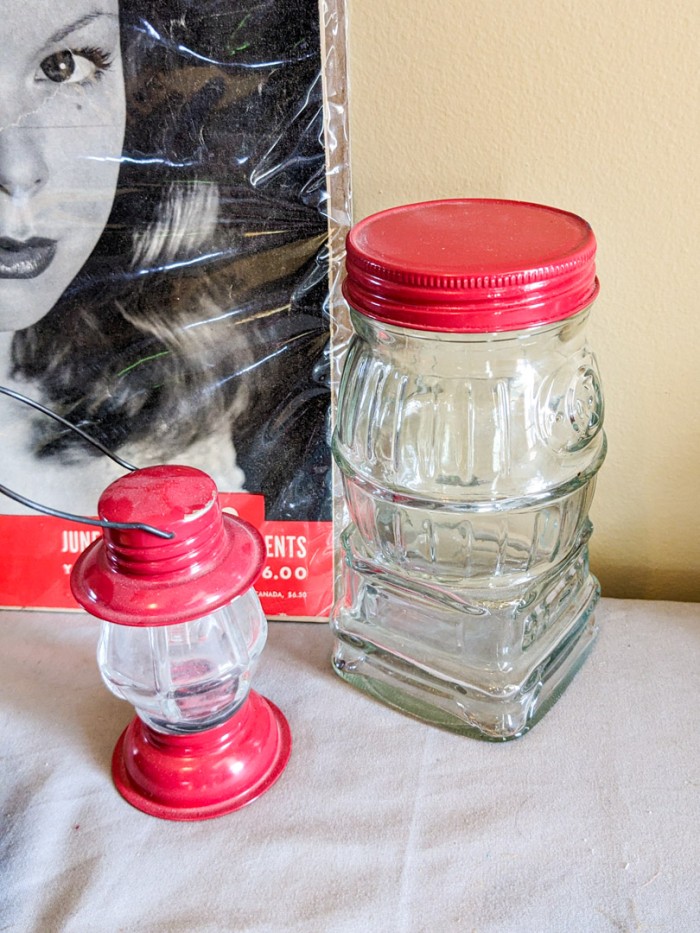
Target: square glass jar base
498, 716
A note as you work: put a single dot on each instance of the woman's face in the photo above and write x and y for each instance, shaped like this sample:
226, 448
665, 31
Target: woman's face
61, 132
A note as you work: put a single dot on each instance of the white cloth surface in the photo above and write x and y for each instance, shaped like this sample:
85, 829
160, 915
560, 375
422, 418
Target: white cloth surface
591, 822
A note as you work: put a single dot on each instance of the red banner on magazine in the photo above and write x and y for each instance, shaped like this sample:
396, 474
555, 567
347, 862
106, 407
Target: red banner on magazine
38, 552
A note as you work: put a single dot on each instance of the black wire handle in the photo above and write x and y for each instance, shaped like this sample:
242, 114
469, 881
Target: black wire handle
57, 513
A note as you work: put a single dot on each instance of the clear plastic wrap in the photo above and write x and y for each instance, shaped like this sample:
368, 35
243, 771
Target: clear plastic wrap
169, 272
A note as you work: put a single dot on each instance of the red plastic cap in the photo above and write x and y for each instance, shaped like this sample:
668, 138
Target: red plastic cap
470, 265
133, 577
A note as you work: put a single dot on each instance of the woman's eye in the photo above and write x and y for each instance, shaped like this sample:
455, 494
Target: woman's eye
74, 67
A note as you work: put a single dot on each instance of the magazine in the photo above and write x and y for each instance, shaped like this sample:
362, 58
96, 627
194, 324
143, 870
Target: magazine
175, 192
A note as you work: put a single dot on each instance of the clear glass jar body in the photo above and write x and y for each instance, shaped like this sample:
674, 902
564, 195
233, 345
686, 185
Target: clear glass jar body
468, 465
190, 676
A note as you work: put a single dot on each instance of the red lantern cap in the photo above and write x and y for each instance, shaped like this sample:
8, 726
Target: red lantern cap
132, 577
470, 265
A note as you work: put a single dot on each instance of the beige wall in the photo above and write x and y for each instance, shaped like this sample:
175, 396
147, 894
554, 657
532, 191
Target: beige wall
591, 106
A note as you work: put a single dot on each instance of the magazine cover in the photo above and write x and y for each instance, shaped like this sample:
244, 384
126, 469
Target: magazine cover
174, 194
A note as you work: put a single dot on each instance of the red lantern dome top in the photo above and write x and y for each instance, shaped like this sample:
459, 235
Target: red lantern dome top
133, 577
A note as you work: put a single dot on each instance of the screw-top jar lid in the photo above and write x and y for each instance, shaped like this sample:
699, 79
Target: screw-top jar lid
132, 577
470, 265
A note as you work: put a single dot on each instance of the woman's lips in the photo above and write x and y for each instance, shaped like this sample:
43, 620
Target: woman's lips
25, 259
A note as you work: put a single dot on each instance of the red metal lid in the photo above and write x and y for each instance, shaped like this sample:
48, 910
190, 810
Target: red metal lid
133, 577
470, 265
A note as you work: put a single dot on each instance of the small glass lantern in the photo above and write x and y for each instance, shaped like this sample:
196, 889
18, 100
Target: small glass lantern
182, 631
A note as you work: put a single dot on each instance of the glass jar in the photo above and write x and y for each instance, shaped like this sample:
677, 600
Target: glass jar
468, 436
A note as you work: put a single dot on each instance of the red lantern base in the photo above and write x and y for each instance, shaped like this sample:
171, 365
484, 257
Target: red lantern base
203, 774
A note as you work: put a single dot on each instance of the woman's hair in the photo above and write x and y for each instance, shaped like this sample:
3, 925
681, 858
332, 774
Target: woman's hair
203, 302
